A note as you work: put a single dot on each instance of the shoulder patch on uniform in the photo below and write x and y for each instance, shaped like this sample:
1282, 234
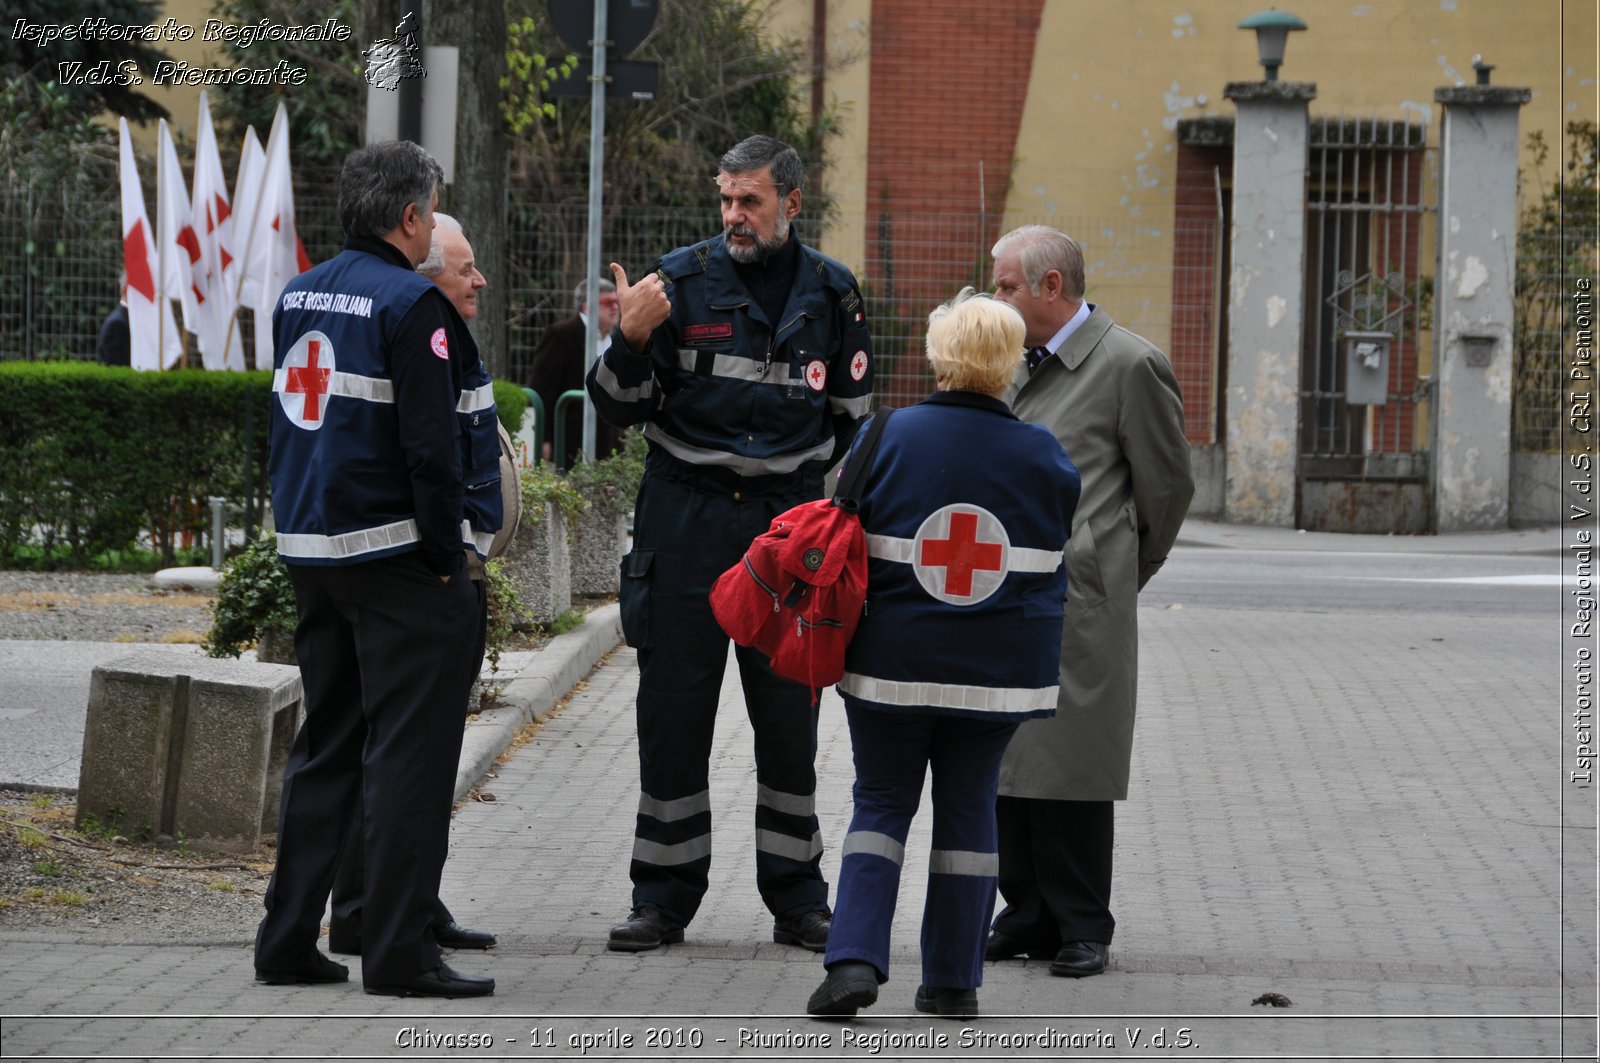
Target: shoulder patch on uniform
440, 345
851, 300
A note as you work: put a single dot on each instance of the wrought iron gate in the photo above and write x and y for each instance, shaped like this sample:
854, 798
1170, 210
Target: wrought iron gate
1364, 398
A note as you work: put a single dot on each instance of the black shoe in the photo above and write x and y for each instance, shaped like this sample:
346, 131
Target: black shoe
318, 970
809, 930
850, 984
947, 1003
456, 936
442, 981
645, 929
1003, 946
1079, 959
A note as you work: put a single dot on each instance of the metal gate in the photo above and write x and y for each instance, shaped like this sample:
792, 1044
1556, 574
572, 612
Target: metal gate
1364, 398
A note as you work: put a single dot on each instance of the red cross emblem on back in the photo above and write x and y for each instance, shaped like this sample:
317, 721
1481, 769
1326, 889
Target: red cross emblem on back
961, 554
305, 380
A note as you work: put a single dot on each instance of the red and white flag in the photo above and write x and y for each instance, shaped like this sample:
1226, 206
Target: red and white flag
153, 339
177, 246
221, 347
274, 253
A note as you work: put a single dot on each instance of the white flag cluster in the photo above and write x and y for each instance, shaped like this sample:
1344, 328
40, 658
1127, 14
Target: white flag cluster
209, 253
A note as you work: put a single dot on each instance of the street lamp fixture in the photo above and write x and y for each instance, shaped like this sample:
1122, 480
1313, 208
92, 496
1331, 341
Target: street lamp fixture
1272, 34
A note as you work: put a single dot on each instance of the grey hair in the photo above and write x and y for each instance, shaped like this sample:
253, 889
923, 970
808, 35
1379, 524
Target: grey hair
379, 180
433, 265
752, 153
1043, 249
580, 294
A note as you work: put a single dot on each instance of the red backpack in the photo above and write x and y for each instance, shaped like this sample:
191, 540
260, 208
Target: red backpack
798, 592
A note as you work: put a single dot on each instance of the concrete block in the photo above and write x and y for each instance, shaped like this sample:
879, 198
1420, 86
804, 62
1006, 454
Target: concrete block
599, 539
538, 562
195, 746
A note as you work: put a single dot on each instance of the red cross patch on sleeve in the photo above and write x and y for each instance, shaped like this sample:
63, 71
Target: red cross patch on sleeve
440, 345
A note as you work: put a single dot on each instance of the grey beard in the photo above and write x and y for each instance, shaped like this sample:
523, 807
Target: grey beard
761, 250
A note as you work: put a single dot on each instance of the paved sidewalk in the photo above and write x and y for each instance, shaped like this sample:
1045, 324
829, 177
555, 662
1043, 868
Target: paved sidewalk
1360, 812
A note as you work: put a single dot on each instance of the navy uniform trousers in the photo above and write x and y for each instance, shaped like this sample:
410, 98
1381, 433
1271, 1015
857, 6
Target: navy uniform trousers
384, 652
683, 540
893, 751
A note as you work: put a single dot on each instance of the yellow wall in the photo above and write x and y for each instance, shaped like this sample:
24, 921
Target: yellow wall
183, 101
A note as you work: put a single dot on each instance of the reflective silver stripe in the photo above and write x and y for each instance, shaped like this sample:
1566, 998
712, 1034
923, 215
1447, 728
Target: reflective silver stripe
777, 463
851, 407
649, 852
612, 386
963, 862
734, 367
676, 809
871, 843
798, 849
1018, 558
475, 399
370, 388
949, 695
793, 804
479, 541
349, 544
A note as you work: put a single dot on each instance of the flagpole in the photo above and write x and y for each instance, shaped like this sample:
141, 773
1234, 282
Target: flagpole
163, 306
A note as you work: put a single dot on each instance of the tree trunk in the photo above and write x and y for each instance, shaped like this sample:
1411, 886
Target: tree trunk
477, 195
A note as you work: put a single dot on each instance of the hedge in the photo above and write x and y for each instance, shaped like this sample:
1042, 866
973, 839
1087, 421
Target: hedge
93, 456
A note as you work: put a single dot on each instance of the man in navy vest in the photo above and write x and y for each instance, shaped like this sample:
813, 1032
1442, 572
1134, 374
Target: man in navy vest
368, 481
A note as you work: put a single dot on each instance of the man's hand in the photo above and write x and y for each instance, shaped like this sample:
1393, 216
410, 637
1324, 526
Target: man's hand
644, 306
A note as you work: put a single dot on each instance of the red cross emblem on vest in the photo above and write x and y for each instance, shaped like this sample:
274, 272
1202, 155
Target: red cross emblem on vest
961, 554
817, 375
307, 376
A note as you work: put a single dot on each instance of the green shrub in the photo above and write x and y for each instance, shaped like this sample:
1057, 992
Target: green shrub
97, 455
611, 484
511, 403
542, 484
254, 597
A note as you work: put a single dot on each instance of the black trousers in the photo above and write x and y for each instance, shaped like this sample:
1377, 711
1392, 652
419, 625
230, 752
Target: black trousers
1055, 871
383, 648
683, 540
349, 880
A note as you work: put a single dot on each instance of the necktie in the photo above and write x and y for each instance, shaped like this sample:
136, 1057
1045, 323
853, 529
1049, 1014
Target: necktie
1037, 355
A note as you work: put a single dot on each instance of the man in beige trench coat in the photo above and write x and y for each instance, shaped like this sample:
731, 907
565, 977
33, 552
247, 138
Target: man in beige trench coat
1113, 402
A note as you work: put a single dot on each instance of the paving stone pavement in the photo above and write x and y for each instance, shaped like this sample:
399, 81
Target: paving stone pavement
1363, 813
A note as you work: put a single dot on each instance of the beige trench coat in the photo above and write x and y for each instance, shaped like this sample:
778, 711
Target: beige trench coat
1113, 402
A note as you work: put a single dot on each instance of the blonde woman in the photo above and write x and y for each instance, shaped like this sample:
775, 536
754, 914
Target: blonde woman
967, 511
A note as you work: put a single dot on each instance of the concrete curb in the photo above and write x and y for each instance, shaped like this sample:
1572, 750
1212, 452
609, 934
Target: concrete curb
555, 670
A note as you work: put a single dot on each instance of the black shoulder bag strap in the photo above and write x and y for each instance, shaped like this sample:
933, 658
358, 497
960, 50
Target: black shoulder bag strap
847, 496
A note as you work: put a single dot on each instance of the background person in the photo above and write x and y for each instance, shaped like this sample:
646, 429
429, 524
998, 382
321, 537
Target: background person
559, 366
1113, 402
966, 510
746, 359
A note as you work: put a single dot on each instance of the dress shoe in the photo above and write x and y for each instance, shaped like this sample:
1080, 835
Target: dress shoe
318, 970
809, 930
1079, 959
1003, 946
947, 1003
442, 981
645, 929
456, 936
850, 984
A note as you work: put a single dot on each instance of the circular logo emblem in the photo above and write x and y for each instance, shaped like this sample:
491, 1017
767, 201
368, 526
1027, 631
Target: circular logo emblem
817, 375
812, 559
307, 375
439, 345
961, 553
858, 366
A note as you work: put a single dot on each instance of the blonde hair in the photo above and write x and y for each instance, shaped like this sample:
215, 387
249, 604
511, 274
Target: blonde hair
974, 342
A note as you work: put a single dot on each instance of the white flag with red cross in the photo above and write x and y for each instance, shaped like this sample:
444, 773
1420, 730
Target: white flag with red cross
153, 339
274, 254
221, 346
177, 247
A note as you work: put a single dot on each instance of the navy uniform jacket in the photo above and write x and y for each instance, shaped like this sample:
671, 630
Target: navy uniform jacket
732, 402
967, 511
384, 418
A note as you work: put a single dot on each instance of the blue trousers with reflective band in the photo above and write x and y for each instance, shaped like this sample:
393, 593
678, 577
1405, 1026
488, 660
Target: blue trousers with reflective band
893, 751
683, 540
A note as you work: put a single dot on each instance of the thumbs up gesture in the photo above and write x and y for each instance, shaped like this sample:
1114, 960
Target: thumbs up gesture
644, 306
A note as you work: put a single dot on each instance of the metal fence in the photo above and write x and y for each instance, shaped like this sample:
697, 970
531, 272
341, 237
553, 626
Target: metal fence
1547, 263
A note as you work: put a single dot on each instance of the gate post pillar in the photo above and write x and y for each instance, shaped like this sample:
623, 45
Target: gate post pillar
1266, 292
1476, 279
